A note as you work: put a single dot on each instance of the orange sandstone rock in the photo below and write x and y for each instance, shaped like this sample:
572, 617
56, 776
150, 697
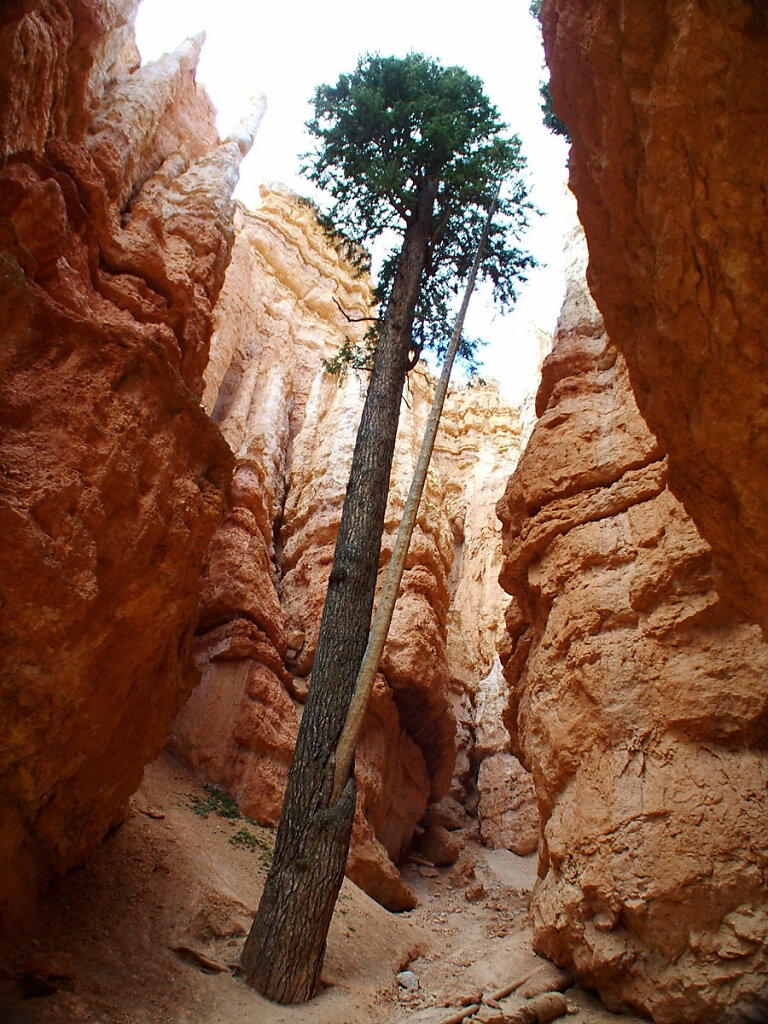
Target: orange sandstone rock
640, 700
506, 810
115, 231
666, 103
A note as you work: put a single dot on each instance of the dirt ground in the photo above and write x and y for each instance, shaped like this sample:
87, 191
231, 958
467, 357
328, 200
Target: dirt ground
150, 930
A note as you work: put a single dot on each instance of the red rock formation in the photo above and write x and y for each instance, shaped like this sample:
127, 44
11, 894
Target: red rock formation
275, 323
292, 429
667, 105
115, 229
641, 701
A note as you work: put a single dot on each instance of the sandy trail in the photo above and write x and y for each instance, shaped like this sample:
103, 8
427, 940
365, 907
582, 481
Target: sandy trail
125, 939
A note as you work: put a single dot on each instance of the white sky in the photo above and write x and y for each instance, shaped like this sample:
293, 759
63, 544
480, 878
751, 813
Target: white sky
287, 49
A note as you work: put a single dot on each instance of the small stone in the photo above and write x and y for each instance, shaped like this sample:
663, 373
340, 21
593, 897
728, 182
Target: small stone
438, 845
448, 813
490, 1015
475, 996
475, 892
294, 639
408, 981
463, 871
154, 812
299, 687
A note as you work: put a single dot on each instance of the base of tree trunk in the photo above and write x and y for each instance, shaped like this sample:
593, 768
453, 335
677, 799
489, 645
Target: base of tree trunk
296, 909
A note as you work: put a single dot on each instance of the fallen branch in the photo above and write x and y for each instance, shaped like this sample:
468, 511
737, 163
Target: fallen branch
517, 983
467, 1011
539, 1010
460, 1015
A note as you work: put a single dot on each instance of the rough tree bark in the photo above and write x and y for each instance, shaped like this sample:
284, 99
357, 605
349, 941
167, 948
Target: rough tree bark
283, 954
345, 749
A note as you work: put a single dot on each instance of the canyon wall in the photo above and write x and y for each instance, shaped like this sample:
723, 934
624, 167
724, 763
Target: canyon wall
667, 105
115, 229
639, 701
284, 309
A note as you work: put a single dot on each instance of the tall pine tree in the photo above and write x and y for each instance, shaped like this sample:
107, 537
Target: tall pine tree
410, 146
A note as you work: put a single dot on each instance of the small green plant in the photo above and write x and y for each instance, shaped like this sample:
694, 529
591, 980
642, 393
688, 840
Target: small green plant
243, 837
216, 801
255, 841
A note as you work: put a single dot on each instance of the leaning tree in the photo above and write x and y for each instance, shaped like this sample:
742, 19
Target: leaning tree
408, 146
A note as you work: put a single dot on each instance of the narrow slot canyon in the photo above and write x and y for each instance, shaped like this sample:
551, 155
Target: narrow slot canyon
562, 776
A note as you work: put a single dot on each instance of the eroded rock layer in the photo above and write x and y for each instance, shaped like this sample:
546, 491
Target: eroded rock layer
640, 703
284, 309
506, 810
667, 104
115, 230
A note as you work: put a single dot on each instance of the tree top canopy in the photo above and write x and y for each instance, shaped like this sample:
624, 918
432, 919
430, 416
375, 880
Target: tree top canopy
395, 125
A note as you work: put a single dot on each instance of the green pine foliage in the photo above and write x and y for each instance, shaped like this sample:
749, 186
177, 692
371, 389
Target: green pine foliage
549, 117
355, 356
382, 132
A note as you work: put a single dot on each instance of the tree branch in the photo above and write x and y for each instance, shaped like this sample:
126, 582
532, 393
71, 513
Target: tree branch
396, 203
442, 222
355, 319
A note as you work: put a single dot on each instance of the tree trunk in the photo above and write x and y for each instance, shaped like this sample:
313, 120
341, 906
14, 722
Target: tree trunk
345, 749
283, 954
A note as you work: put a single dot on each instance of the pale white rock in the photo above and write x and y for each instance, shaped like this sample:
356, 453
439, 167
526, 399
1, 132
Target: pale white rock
507, 811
